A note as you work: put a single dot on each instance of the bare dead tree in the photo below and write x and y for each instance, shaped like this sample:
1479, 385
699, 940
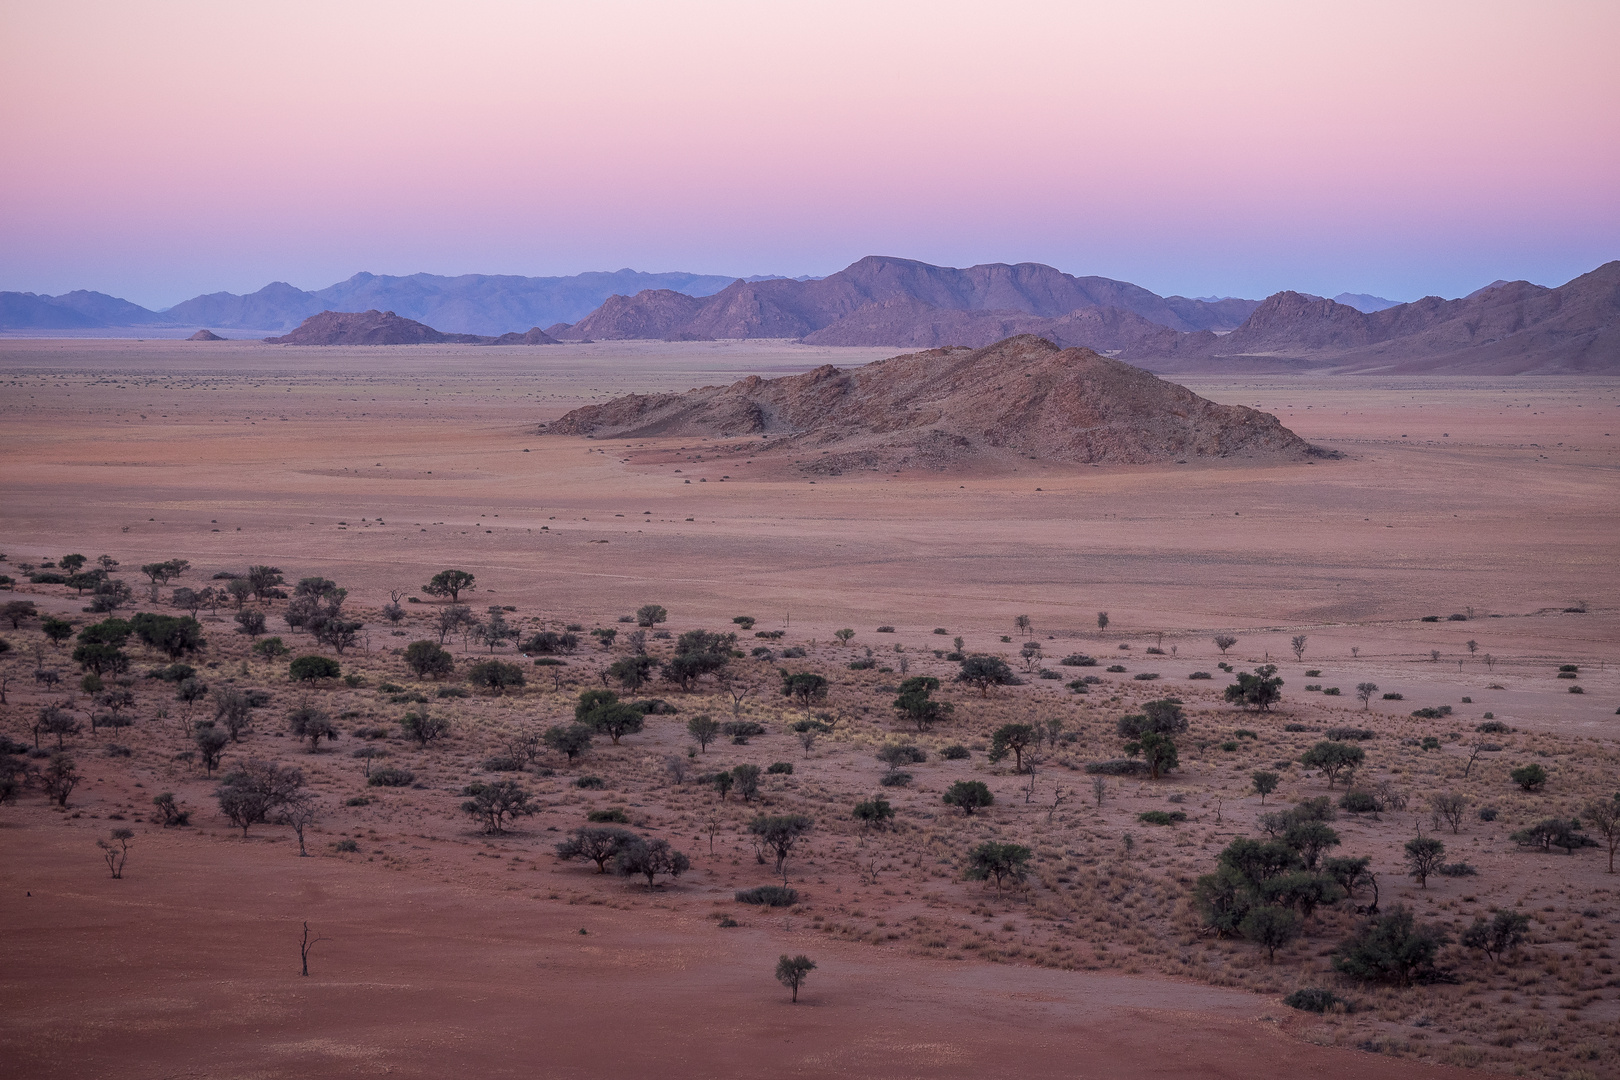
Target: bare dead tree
299, 812
305, 946
1059, 797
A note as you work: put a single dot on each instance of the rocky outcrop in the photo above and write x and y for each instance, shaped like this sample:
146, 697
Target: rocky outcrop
1020, 398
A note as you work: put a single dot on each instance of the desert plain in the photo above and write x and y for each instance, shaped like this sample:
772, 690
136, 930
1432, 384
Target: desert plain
450, 951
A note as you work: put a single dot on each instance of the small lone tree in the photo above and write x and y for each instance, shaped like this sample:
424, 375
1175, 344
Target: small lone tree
497, 676
59, 778
844, 635
449, 583
705, 729
299, 812
615, 720
650, 858
423, 728
1260, 691
1365, 691
805, 687
1224, 642
116, 850
1264, 783
494, 803
211, 743
569, 740
1529, 777
428, 661
874, 813
917, 705
1389, 948
1424, 855
791, 972
1297, 643
778, 833
1102, 621
1505, 930
1333, 758
998, 861
968, 796
305, 945
596, 843
650, 615
1271, 928
1011, 739
1604, 816
1158, 751
307, 721
1449, 807
983, 672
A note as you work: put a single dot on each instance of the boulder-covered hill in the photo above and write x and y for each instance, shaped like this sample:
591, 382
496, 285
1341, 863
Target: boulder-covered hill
386, 328
1020, 398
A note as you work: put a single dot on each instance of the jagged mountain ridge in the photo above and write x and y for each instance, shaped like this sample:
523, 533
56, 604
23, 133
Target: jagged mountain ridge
798, 309
1018, 398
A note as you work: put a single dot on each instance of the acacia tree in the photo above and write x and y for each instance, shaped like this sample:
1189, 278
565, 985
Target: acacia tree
255, 789
968, 796
1423, 857
650, 615
1011, 739
1604, 816
1261, 690
306, 721
1224, 642
1333, 758
916, 703
791, 972
778, 833
1297, 643
805, 686
116, 850
650, 858
1365, 691
597, 844
705, 729
299, 812
998, 861
983, 672
449, 583
495, 802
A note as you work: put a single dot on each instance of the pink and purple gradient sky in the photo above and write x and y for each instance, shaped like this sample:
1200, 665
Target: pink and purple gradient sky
161, 149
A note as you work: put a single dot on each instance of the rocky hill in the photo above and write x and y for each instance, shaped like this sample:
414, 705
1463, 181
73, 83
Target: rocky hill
386, 328
1017, 399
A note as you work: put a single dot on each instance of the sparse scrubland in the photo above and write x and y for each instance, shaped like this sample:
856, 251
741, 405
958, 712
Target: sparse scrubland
1396, 848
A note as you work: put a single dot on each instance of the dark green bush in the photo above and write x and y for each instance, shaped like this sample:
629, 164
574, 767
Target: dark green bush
954, 752
590, 783
1314, 999
613, 814
388, 776
769, 896
310, 668
895, 779
783, 767
1161, 817
1117, 767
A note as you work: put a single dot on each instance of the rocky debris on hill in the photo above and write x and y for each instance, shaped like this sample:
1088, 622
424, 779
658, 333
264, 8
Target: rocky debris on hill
1022, 398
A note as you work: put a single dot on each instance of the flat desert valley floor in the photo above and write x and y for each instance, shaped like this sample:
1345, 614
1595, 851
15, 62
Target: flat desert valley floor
448, 951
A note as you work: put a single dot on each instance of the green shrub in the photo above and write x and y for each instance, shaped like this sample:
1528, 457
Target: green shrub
1145, 676
1529, 777
590, 783
310, 668
389, 776
1359, 801
613, 814
1350, 734
1116, 669
452, 692
1456, 869
357, 800
1078, 660
769, 896
1332, 691
783, 767
1117, 767
1394, 697
954, 752
1314, 999
503, 763
895, 779
348, 846
1161, 817
1492, 727
1200, 675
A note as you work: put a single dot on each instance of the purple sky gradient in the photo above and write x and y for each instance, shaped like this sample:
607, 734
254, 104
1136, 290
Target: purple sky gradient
159, 150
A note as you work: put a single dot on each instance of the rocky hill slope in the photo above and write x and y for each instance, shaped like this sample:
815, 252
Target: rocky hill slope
1019, 398
386, 328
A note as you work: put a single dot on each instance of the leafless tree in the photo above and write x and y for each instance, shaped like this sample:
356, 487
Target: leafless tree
305, 946
1449, 807
1099, 788
299, 812
1297, 643
116, 850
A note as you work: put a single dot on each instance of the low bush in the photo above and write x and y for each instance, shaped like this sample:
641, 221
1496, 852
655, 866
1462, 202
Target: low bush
954, 752
310, 668
1145, 676
1154, 650
1314, 999
1360, 801
503, 763
862, 664
613, 814
1394, 697
885, 630
1117, 767
1200, 675
1487, 813
1295, 727
389, 776
349, 846
1350, 734
1161, 817
785, 768
1492, 727
1116, 668
1431, 618
1332, 691
357, 800
895, 779
1456, 618
769, 896
1078, 660
453, 692
1456, 869
590, 783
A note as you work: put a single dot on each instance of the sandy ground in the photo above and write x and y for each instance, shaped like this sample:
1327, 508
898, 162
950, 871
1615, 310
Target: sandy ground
377, 467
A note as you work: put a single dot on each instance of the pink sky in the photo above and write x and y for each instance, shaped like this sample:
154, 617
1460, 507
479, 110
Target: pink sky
158, 150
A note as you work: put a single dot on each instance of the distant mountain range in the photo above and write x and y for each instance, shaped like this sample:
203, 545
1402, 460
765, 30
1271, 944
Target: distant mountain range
1505, 327
469, 304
